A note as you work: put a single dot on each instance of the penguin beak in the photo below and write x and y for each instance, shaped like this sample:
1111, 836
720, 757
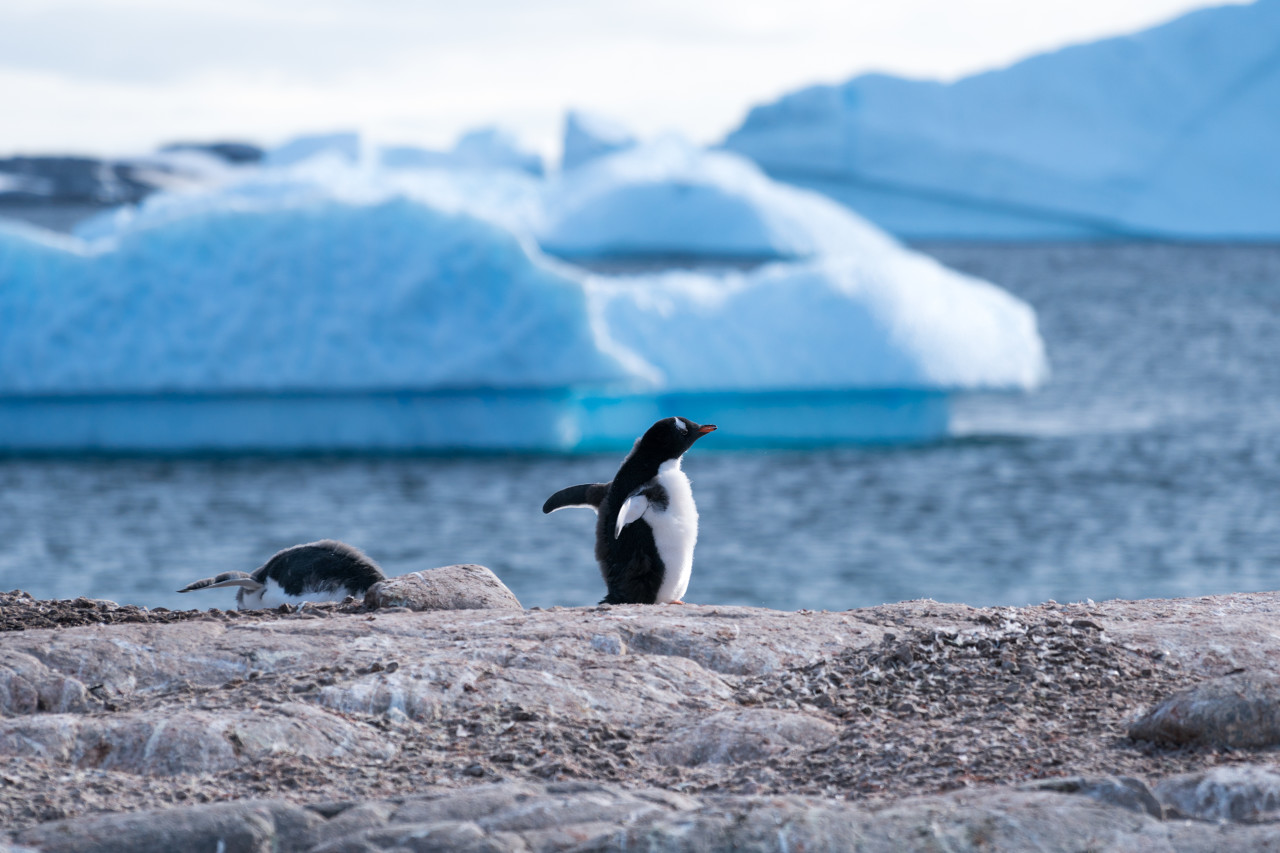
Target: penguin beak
706, 428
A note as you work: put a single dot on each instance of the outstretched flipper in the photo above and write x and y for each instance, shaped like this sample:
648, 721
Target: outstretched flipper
241, 579
587, 495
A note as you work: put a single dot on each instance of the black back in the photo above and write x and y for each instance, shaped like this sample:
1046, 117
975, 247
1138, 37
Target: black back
629, 562
327, 565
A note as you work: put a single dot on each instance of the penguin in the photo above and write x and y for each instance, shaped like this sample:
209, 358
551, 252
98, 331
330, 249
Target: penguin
646, 521
317, 571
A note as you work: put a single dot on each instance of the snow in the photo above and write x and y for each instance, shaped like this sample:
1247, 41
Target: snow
345, 145
670, 198
1170, 132
900, 321
588, 136
294, 297
485, 148
345, 305
496, 148
508, 198
181, 167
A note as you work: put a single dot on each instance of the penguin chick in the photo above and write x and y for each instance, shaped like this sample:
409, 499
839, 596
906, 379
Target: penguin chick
646, 523
317, 571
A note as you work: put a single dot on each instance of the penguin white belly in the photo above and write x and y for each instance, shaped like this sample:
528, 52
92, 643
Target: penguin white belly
272, 595
675, 531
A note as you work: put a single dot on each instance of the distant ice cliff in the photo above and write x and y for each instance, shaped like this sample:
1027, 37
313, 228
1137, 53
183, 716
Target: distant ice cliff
1171, 133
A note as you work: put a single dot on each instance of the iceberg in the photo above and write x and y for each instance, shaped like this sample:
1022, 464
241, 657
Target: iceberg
902, 322
588, 136
670, 199
496, 148
345, 145
511, 199
484, 148
321, 325
1168, 133
858, 349
328, 305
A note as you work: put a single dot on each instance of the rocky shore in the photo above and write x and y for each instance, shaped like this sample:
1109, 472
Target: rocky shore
917, 726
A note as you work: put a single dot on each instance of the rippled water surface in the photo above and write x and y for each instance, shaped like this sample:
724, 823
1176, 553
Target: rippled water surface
1148, 466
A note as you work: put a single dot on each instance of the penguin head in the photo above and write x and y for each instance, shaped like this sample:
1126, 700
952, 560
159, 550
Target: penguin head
669, 438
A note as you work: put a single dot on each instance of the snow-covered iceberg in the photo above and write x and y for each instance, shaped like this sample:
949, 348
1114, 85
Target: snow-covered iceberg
1171, 132
340, 306
389, 324
345, 145
671, 199
901, 322
483, 148
588, 136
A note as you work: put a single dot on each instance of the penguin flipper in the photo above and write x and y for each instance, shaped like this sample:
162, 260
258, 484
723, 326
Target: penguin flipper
587, 495
632, 508
242, 579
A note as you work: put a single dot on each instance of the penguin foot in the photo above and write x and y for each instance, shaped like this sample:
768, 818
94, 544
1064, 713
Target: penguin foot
676, 601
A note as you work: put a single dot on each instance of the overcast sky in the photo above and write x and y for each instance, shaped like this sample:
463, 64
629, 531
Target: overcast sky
122, 76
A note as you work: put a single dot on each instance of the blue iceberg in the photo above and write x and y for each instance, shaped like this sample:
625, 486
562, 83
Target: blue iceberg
1168, 133
588, 136
671, 199
329, 305
483, 148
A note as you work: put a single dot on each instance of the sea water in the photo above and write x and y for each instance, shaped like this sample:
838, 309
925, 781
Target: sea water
1149, 465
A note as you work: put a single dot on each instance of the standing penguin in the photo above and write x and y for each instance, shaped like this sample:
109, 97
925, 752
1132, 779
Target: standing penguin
646, 522
327, 570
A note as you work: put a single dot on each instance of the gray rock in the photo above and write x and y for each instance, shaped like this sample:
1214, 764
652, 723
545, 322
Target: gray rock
248, 826
1123, 791
574, 803
357, 818
557, 838
1208, 636
992, 821
731, 737
609, 644
27, 686
462, 587
1235, 793
675, 658
1241, 711
593, 817
440, 837
506, 816
482, 802
689, 642
178, 742
633, 690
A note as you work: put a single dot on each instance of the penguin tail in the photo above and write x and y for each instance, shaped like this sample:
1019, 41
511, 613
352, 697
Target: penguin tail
242, 579
586, 495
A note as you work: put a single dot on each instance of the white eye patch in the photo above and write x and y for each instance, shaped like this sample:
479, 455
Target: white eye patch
681, 425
